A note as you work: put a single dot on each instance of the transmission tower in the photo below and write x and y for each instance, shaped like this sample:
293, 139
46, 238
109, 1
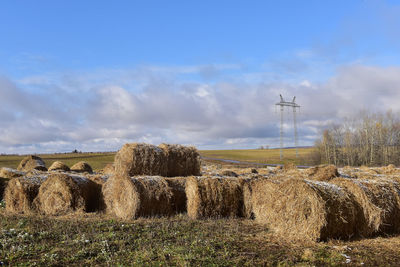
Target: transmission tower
282, 105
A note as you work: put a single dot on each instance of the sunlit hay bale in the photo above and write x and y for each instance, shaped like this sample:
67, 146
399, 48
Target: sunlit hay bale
3, 184
181, 160
133, 197
379, 200
59, 166
140, 159
228, 173
82, 167
323, 173
109, 169
20, 193
63, 194
214, 197
304, 209
32, 162
10, 173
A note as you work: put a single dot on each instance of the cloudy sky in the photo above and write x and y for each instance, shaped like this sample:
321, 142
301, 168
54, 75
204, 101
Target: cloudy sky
93, 75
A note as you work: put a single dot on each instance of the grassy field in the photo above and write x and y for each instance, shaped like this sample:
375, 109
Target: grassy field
270, 156
176, 241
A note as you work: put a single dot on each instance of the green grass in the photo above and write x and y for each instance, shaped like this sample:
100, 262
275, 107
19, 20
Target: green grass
270, 156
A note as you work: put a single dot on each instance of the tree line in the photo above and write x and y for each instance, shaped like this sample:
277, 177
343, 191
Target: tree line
371, 139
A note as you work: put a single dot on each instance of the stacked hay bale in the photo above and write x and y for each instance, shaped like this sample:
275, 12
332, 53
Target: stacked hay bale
62, 194
214, 197
304, 209
379, 200
133, 197
323, 173
140, 159
82, 167
32, 162
21, 192
59, 166
181, 160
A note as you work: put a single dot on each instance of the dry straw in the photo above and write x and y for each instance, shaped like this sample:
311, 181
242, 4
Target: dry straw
140, 159
181, 160
379, 200
3, 184
322, 173
82, 167
20, 193
59, 166
109, 169
133, 197
304, 209
62, 194
10, 173
32, 162
214, 197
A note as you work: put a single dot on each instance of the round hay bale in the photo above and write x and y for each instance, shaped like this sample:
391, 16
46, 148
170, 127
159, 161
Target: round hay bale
62, 194
32, 162
133, 197
229, 173
10, 173
59, 166
303, 209
20, 193
109, 169
181, 160
140, 159
82, 167
323, 173
379, 202
214, 197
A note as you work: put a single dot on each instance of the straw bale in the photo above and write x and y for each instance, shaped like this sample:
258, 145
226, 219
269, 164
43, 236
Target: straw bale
20, 193
140, 159
379, 200
133, 197
108, 169
62, 194
10, 173
82, 166
214, 197
322, 173
32, 162
59, 166
181, 160
304, 209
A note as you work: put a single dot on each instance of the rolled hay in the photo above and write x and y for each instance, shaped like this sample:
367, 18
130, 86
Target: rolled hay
59, 166
82, 166
323, 173
181, 160
32, 162
379, 200
304, 209
62, 194
133, 197
21, 192
10, 173
214, 197
140, 159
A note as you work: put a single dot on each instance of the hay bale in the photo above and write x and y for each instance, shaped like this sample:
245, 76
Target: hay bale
10, 173
109, 169
82, 167
214, 197
133, 197
181, 160
304, 209
379, 202
229, 173
140, 159
32, 162
59, 166
62, 194
323, 173
20, 193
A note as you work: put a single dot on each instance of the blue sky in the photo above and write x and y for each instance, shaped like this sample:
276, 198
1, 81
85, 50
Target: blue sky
92, 75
